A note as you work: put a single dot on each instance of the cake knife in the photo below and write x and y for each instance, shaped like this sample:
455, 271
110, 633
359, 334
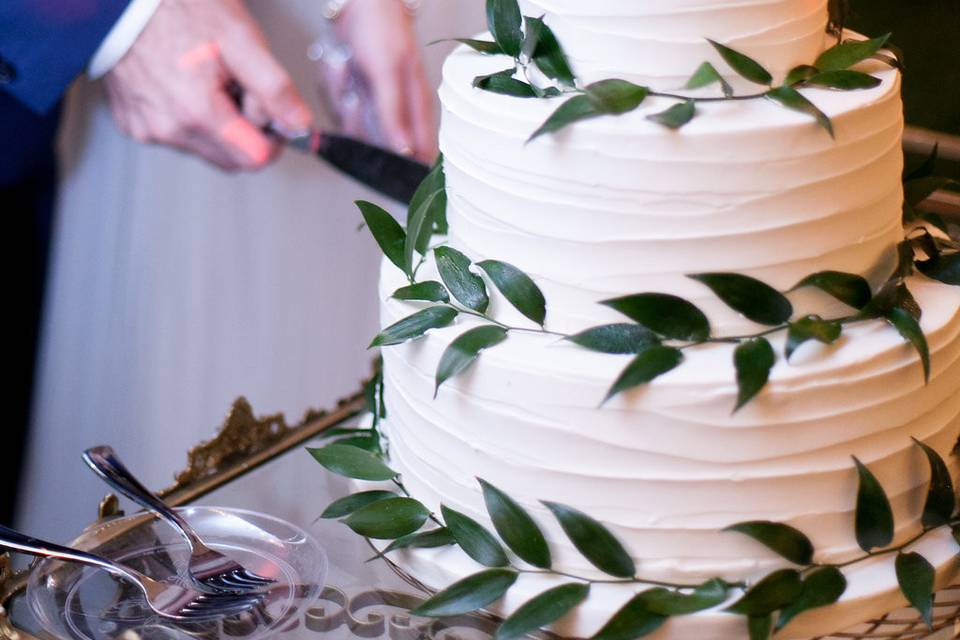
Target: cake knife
389, 173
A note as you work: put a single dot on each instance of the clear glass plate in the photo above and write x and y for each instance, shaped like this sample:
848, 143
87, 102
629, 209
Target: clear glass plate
76, 602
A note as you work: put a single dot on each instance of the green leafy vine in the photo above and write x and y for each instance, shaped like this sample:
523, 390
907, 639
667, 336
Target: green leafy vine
537, 54
517, 546
662, 326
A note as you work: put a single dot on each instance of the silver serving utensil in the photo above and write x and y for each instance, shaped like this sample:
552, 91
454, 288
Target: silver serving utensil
168, 600
210, 570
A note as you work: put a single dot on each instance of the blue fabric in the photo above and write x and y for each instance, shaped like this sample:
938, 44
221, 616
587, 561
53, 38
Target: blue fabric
49, 42
26, 141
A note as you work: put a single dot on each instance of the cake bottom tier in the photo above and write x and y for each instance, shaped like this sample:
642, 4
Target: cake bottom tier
667, 467
872, 592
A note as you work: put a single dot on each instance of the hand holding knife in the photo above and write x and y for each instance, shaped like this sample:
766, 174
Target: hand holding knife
389, 173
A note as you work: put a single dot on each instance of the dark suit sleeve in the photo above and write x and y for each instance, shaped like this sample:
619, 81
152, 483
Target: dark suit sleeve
45, 44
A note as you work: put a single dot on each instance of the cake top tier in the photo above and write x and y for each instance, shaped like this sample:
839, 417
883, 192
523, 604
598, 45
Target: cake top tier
665, 40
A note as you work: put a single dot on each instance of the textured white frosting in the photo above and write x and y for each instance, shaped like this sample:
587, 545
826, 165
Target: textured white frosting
620, 205
667, 467
665, 40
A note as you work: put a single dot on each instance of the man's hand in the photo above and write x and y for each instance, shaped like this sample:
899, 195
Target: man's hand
386, 51
172, 87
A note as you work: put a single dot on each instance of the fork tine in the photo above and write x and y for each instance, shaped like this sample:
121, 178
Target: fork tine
232, 584
249, 575
238, 580
219, 606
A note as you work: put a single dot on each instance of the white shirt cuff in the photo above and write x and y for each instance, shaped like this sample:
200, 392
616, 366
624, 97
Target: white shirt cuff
125, 32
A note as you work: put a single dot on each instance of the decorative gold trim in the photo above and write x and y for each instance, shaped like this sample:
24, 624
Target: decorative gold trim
246, 442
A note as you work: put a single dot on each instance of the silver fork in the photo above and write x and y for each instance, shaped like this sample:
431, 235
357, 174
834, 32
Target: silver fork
208, 568
168, 600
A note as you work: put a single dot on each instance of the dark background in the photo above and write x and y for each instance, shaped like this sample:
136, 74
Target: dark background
928, 31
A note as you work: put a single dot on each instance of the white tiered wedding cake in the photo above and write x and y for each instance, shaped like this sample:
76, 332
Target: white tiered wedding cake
619, 205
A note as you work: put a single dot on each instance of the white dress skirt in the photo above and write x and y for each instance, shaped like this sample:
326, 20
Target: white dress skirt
175, 289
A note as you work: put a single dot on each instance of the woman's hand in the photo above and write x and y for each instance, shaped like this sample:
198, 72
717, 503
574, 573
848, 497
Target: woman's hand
385, 49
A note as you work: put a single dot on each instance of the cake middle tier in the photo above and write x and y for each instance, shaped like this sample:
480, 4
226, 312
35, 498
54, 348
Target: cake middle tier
666, 466
621, 205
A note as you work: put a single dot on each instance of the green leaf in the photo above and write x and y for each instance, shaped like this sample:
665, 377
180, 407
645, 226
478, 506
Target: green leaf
909, 328
573, 110
846, 54
850, 289
547, 53
756, 300
893, 295
415, 326
469, 594
515, 526
594, 541
800, 74
616, 338
676, 116
542, 610
844, 80
420, 540
812, 327
388, 519
388, 233
518, 288
760, 627
633, 620
705, 75
919, 189
927, 167
466, 286
783, 539
822, 587
348, 504
651, 363
669, 316
439, 213
795, 101
505, 22
874, 517
463, 351
428, 203
480, 46
774, 592
906, 257
754, 360
352, 462
616, 97
474, 539
744, 65
504, 83
945, 268
916, 576
668, 602
941, 501
368, 442
429, 291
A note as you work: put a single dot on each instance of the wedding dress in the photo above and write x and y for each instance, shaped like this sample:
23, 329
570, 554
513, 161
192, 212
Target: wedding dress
175, 289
